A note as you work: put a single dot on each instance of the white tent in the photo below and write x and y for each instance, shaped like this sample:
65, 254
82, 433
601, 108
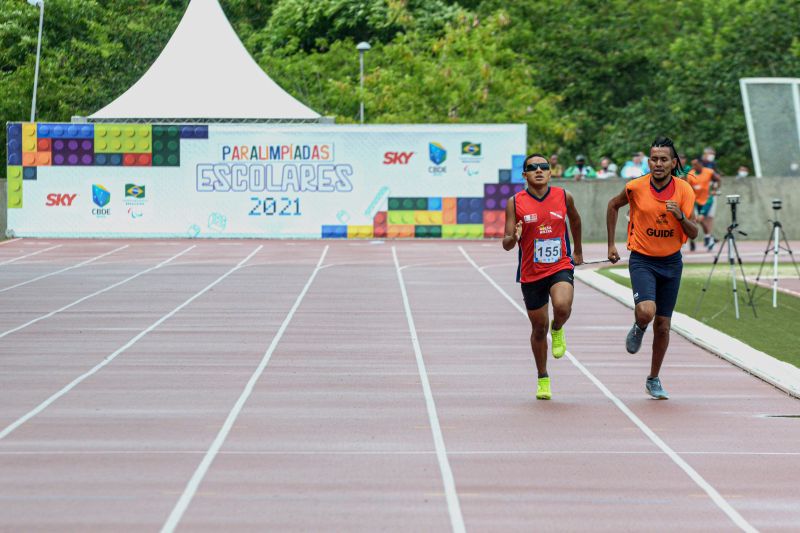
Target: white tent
205, 74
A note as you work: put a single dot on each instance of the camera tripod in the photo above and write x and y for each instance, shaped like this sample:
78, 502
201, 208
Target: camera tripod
733, 252
774, 245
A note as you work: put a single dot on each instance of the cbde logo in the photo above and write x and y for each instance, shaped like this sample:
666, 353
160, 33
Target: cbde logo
101, 197
438, 155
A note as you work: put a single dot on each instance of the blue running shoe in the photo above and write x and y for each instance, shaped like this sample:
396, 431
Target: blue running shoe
634, 339
654, 388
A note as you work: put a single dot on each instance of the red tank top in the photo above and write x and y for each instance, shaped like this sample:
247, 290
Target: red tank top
544, 246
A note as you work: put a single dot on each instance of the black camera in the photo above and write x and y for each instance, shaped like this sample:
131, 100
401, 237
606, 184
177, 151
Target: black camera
776, 203
733, 199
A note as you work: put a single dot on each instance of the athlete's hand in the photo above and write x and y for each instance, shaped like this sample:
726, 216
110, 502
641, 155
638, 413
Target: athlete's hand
674, 208
518, 230
577, 258
613, 255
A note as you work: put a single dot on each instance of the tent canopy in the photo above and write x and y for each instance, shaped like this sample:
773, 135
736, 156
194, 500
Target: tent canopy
205, 74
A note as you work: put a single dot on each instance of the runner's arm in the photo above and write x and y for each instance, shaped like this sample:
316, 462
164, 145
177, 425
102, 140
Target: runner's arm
614, 204
512, 230
575, 229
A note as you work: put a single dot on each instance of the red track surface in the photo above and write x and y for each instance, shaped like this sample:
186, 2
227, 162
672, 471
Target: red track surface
130, 409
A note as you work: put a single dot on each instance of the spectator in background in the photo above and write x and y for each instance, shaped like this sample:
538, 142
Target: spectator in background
709, 158
556, 170
705, 182
607, 169
634, 167
742, 173
580, 170
684, 170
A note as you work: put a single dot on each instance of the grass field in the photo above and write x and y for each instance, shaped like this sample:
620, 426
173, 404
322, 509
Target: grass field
776, 331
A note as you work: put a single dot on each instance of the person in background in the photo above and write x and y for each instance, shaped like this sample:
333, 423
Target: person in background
742, 173
580, 170
709, 158
556, 170
607, 169
705, 182
684, 170
633, 168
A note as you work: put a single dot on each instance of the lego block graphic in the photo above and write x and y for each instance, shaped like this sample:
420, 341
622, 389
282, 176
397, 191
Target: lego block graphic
462, 231
28, 131
434, 204
504, 175
496, 195
408, 204
494, 223
193, 132
428, 232
126, 138
73, 152
379, 225
469, 211
29, 173
401, 217
111, 160
28, 144
449, 211
398, 231
137, 160
334, 232
428, 218
65, 131
14, 187
43, 145
359, 232
14, 144
166, 145
516, 168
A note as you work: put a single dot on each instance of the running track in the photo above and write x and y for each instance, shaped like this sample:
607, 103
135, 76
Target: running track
356, 386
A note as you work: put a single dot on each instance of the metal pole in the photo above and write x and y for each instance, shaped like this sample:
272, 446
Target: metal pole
775, 253
361, 69
733, 277
38, 55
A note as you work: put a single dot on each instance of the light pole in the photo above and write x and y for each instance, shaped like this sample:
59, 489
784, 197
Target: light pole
362, 47
39, 3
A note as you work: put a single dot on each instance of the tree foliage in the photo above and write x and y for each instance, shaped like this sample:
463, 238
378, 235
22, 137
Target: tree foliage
589, 76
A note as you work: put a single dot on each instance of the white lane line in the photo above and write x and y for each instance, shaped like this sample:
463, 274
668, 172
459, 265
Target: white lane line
101, 291
10, 241
715, 496
82, 263
8, 262
42, 406
381, 452
453, 506
191, 488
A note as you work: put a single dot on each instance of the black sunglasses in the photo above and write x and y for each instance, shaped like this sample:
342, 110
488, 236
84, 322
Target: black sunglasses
530, 167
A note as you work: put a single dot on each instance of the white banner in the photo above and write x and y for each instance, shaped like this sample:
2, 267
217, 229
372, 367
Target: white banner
244, 180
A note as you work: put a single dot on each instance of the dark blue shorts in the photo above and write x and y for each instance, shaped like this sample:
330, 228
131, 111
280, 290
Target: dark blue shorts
656, 279
537, 293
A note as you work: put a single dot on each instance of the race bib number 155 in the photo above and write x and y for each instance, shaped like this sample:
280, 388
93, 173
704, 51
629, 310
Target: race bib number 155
547, 250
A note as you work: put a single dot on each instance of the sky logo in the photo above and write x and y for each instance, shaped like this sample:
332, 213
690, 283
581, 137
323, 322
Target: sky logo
437, 152
100, 195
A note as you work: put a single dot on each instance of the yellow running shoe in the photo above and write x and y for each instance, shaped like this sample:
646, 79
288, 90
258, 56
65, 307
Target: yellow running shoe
543, 389
559, 343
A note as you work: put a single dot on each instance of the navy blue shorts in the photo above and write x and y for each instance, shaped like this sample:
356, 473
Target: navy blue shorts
656, 279
537, 293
